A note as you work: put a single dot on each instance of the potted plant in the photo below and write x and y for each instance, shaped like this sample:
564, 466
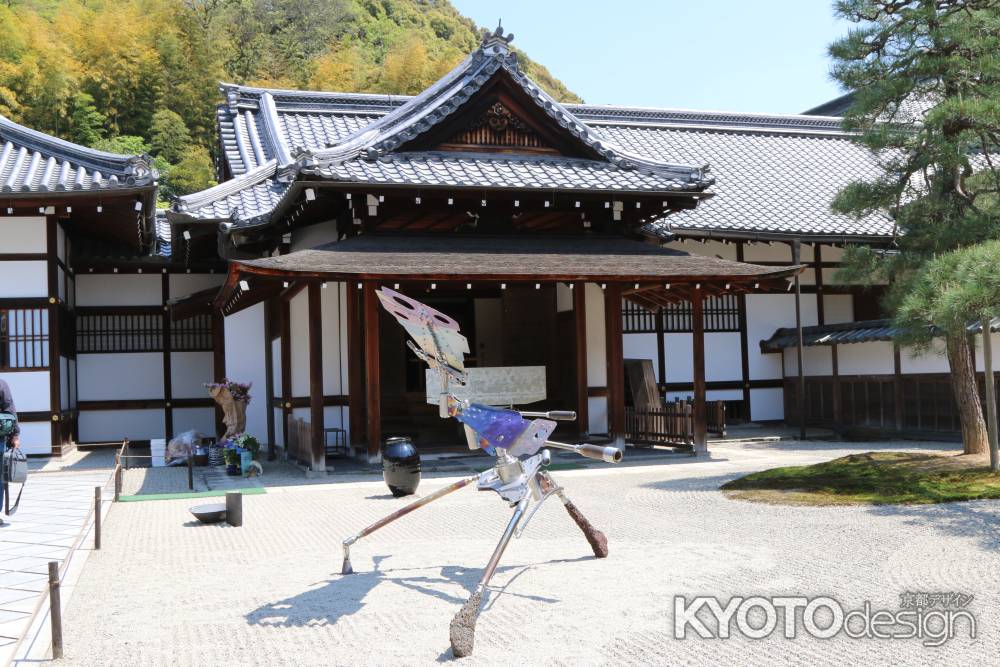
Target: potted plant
249, 447
231, 455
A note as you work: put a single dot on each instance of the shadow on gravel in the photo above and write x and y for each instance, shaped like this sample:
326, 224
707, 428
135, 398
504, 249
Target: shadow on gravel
345, 594
973, 519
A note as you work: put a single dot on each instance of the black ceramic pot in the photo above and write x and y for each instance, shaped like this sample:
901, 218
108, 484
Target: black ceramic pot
400, 466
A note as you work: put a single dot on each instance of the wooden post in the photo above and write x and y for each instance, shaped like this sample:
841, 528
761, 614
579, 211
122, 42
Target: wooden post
615, 362
118, 476
837, 402
580, 322
97, 518
355, 376
55, 610
991, 398
168, 411
373, 383
55, 334
218, 361
897, 387
741, 304
800, 390
316, 376
700, 414
661, 353
286, 370
269, 307
191, 468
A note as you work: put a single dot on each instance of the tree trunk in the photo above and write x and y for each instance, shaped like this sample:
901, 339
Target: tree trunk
963, 383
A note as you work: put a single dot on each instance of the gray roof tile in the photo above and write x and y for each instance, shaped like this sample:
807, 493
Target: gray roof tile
32, 163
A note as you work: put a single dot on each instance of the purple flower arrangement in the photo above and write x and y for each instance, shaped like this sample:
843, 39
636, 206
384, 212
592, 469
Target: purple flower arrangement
239, 390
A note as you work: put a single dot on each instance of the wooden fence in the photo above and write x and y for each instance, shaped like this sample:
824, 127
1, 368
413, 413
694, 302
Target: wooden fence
673, 424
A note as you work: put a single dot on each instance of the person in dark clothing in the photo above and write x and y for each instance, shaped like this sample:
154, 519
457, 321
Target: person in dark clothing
7, 405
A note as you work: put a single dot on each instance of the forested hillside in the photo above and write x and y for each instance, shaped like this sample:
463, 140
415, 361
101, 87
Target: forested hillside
142, 75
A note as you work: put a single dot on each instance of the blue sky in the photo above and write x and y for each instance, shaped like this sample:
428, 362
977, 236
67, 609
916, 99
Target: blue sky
728, 55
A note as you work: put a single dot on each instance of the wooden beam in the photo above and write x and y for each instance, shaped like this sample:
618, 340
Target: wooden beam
373, 380
355, 373
700, 414
580, 326
614, 356
800, 389
316, 376
661, 351
897, 385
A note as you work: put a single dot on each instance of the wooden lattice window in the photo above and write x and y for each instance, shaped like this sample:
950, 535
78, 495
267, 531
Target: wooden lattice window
24, 338
119, 330
722, 313
193, 334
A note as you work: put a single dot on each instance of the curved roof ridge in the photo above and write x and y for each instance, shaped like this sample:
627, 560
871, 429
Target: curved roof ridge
137, 166
232, 186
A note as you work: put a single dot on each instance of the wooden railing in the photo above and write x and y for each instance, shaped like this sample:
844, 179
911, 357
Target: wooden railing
673, 424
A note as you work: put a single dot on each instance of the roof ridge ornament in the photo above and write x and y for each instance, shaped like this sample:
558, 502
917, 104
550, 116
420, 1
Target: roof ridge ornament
496, 41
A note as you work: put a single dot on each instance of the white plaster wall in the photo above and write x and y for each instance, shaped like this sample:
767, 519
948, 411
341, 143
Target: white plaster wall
183, 284
708, 248
838, 308
23, 234
774, 252
641, 346
121, 376
765, 313
333, 313
314, 235
196, 419
115, 425
816, 360
298, 313
245, 363
597, 372
30, 390
564, 297
116, 289
767, 404
934, 360
865, 359
24, 279
189, 372
36, 437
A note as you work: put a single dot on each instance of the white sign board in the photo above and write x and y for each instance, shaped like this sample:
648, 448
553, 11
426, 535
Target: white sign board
500, 385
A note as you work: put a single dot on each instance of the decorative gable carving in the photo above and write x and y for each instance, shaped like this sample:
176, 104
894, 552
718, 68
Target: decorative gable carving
497, 128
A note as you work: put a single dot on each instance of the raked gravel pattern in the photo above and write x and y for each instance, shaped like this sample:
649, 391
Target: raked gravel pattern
167, 591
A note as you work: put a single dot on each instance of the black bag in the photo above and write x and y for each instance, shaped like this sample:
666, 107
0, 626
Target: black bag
14, 468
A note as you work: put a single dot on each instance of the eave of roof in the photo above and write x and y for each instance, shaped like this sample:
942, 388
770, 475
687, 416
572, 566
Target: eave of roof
33, 163
845, 333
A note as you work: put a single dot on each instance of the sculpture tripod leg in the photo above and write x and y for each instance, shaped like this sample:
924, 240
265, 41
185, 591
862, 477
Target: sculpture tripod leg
463, 627
598, 541
415, 505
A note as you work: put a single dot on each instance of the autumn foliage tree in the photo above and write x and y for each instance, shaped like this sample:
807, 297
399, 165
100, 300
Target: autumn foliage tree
926, 82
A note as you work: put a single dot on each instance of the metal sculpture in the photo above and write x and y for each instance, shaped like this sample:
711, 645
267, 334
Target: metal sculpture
517, 440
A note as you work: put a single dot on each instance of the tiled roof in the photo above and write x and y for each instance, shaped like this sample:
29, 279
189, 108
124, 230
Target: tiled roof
33, 163
247, 196
495, 170
163, 234
776, 174
864, 331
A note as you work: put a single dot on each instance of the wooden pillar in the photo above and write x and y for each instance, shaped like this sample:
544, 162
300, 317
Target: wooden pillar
838, 409
218, 361
615, 359
800, 390
744, 343
355, 376
700, 414
269, 309
897, 386
168, 411
580, 324
55, 331
286, 368
661, 352
373, 380
316, 376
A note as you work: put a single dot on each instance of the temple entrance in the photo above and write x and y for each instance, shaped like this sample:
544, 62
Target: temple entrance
517, 325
